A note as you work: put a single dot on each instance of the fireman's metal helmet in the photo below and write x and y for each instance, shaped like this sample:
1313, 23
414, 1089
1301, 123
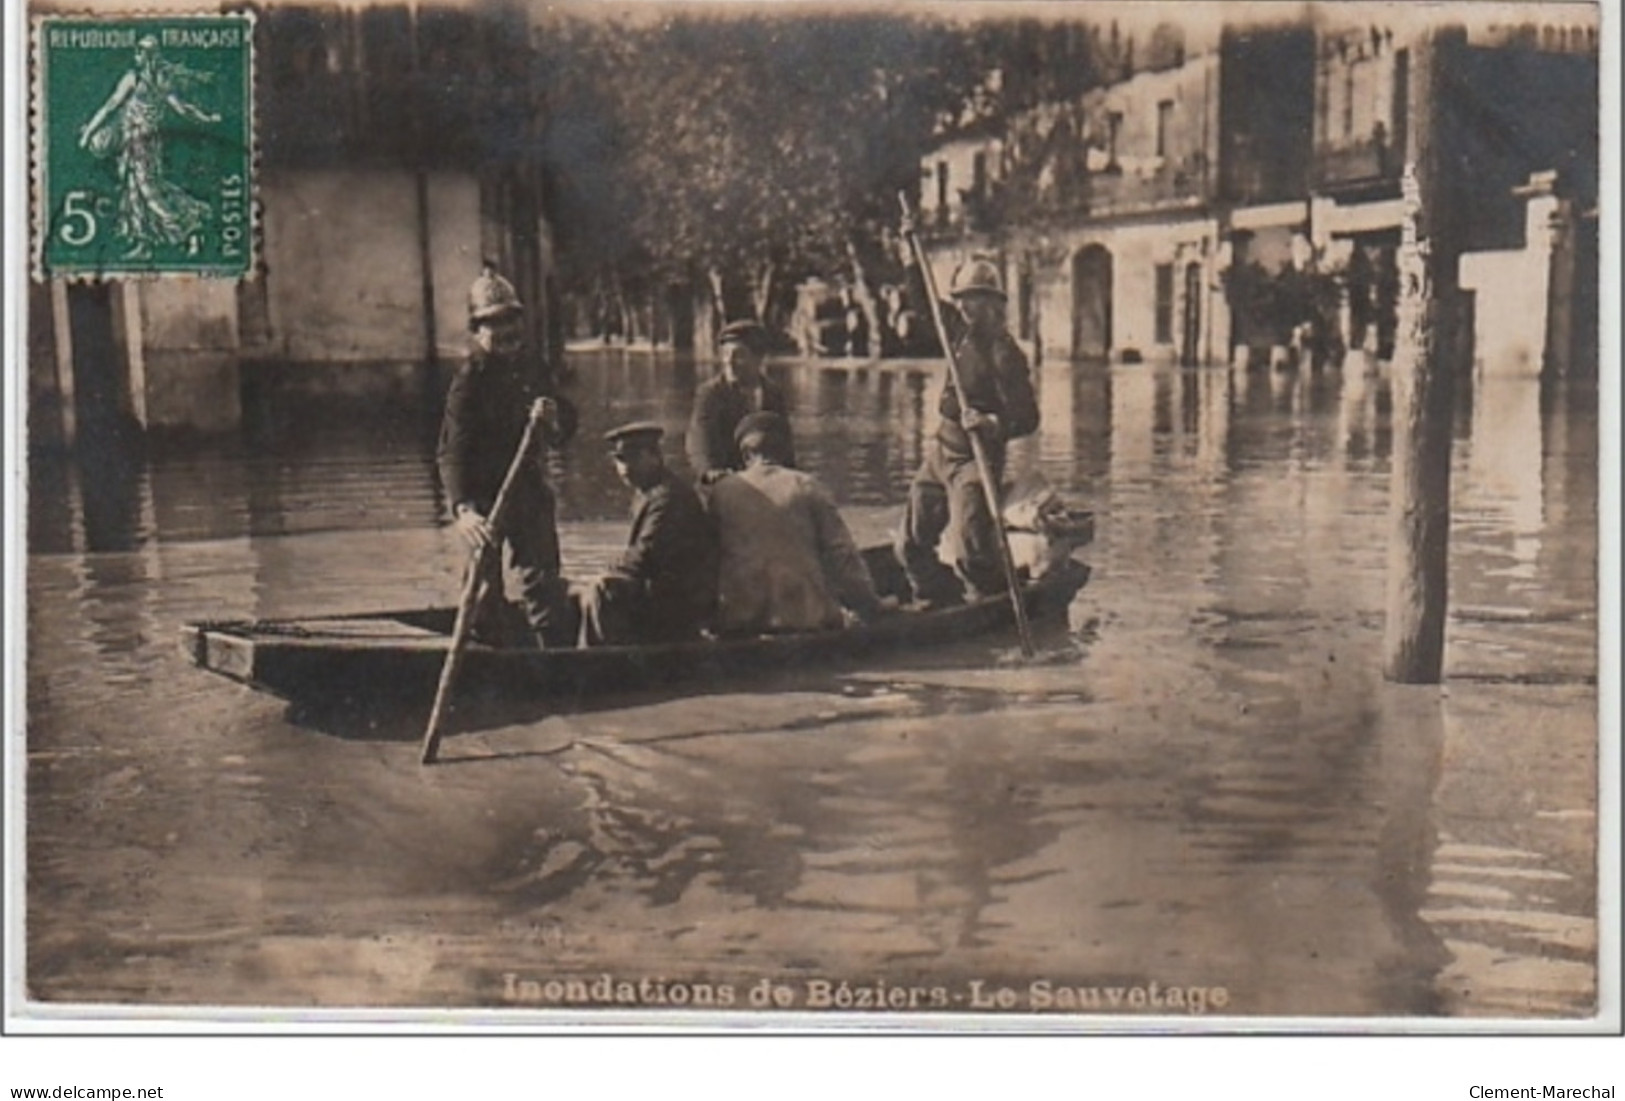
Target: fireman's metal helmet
491, 296
977, 276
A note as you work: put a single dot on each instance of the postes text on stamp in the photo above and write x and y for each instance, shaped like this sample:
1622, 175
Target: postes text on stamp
143, 146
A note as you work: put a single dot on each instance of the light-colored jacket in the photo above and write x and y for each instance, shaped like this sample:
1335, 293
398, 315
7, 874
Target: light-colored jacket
789, 563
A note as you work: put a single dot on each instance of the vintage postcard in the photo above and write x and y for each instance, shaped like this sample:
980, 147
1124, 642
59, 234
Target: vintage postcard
1075, 517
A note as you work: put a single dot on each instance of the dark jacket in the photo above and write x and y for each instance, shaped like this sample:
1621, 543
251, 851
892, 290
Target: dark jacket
486, 410
994, 372
672, 551
719, 405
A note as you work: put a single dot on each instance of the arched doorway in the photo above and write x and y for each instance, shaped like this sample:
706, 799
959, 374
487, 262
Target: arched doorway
1190, 331
1092, 303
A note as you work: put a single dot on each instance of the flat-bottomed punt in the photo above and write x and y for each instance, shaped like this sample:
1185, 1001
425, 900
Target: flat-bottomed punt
395, 657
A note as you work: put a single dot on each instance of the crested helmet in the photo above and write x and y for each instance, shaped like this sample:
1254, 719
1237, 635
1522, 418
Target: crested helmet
492, 296
977, 276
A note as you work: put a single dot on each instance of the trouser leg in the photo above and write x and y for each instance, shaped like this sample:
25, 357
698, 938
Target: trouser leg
531, 532
490, 618
607, 609
972, 534
924, 521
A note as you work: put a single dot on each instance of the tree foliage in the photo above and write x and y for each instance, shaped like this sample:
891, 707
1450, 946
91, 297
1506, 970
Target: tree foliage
765, 148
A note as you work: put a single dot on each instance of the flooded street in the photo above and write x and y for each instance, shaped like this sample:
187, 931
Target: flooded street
1202, 785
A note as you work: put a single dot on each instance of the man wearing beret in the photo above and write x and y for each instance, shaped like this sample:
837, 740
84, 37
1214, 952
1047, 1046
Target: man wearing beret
722, 402
492, 396
788, 561
663, 588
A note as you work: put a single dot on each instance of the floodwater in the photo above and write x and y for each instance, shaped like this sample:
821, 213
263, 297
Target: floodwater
1202, 797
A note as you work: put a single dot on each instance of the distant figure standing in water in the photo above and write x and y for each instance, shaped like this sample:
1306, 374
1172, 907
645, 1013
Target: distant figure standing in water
151, 209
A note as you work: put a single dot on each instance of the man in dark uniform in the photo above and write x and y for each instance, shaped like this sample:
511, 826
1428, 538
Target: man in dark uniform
998, 405
722, 402
664, 587
491, 399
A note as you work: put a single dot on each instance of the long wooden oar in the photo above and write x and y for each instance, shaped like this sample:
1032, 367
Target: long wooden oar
479, 567
978, 451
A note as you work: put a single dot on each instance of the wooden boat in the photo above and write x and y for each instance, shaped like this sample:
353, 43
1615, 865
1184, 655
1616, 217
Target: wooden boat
395, 657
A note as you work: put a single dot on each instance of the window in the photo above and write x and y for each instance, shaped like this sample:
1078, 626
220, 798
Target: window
979, 175
1165, 119
1165, 304
1114, 126
1348, 100
942, 186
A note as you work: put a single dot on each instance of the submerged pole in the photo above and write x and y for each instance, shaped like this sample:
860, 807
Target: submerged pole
1424, 367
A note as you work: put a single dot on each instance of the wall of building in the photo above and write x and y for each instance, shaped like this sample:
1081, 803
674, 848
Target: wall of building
182, 342
339, 291
1165, 151
1191, 122
1136, 250
1512, 302
958, 158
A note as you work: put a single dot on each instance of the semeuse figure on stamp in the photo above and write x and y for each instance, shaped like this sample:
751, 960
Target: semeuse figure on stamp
722, 402
152, 210
946, 501
492, 397
789, 563
663, 587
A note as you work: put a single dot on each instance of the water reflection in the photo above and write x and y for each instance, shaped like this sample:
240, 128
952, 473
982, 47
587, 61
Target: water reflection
1209, 784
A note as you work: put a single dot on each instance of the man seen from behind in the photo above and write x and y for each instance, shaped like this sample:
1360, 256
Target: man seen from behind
789, 563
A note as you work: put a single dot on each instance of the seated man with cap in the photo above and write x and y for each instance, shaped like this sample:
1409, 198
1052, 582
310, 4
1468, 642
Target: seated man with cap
663, 587
492, 396
722, 402
789, 563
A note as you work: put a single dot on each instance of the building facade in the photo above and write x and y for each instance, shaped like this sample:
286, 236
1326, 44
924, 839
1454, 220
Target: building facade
395, 154
1244, 204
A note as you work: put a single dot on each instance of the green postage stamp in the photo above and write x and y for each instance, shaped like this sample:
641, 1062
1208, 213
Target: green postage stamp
143, 146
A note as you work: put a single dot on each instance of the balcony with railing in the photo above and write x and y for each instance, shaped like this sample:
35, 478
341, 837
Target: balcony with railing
1067, 190
1157, 184
1360, 162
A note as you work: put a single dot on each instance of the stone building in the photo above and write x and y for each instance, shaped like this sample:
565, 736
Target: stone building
396, 150
1244, 203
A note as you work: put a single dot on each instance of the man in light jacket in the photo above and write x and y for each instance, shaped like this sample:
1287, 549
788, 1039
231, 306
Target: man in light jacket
789, 563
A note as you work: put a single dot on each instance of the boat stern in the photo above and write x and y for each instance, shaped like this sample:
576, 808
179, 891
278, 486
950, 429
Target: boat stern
215, 647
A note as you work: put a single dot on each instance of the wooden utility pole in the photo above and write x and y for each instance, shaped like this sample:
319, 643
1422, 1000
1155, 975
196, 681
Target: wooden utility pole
1424, 369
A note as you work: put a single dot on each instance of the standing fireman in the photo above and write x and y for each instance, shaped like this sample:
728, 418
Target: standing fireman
490, 401
946, 497
722, 402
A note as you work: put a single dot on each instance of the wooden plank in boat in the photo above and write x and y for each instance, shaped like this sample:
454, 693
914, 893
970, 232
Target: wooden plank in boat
364, 627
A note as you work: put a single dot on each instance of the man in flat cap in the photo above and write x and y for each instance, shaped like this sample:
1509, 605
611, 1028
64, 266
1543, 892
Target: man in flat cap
492, 397
663, 588
789, 563
722, 402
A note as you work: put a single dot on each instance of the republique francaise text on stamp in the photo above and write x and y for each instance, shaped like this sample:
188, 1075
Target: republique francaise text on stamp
143, 146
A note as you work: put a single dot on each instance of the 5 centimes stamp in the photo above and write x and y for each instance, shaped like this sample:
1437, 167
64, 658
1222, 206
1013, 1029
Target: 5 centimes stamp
143, 145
